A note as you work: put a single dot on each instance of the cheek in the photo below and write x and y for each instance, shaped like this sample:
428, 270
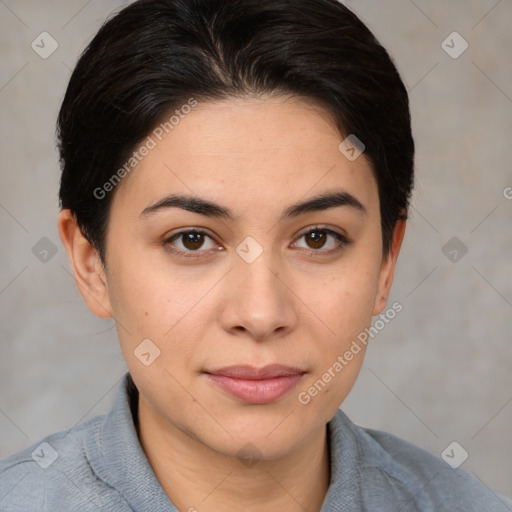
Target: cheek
145, 294
345, 309
150, 301
155, 315
347, 313
133, 298
345, 300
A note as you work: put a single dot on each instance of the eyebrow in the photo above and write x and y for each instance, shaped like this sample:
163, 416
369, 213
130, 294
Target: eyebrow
326, 201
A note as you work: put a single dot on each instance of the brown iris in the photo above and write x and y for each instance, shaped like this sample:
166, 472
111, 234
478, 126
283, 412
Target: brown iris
318, 238
193, 240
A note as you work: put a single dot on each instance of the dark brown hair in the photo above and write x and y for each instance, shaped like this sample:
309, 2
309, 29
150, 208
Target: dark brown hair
154, 55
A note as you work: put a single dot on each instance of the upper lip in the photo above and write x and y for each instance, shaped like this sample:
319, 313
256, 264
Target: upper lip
252, 373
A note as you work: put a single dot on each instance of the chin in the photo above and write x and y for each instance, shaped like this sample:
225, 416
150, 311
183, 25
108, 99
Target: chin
261, 439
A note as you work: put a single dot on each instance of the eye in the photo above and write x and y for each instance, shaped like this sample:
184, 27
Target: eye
190, 241
316, 238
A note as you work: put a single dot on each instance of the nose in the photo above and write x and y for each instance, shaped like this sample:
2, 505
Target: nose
258, 302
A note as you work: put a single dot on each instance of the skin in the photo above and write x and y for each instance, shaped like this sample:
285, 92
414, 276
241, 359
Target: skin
292, 305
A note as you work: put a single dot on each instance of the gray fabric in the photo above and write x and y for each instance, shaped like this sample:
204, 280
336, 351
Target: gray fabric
100, 465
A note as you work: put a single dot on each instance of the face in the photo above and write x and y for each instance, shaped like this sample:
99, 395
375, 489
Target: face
250, 282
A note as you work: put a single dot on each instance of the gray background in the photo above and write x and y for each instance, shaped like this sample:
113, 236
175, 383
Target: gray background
439, 372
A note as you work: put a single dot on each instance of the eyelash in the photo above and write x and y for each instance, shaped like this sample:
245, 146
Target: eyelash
341, 241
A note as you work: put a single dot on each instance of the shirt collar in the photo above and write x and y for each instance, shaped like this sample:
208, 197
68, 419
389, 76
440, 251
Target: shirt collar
120, 460
344, 492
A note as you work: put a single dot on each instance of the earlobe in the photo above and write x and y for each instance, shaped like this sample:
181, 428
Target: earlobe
387, 270
87, 267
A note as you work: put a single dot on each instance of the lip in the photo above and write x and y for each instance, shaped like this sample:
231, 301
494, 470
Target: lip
256, 385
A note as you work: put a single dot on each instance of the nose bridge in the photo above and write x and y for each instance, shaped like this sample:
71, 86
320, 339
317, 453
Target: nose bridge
258, 272
261, 276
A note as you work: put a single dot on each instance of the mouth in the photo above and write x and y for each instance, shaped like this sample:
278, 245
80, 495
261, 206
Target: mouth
256, 385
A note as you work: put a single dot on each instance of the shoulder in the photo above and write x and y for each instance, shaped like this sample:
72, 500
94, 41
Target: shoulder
55, 471
412, 475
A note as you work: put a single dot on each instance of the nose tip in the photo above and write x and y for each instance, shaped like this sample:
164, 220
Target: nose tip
258, 303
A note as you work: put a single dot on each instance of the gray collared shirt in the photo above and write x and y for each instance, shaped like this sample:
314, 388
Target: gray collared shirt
99, 465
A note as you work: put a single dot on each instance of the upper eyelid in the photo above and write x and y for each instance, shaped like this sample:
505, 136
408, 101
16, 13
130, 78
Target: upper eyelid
189, 230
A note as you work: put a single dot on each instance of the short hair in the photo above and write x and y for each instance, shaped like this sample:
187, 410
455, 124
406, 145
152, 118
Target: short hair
153, 56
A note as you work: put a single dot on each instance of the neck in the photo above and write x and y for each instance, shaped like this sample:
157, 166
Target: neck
199, 479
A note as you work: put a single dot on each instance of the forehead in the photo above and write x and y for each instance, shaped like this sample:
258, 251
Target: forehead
249, 152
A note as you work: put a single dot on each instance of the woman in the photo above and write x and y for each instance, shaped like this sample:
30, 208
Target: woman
236, 177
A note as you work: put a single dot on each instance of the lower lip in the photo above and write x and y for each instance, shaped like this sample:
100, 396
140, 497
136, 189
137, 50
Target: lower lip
261, 391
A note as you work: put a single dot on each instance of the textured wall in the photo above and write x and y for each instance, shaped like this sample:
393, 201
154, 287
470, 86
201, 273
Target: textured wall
438, 373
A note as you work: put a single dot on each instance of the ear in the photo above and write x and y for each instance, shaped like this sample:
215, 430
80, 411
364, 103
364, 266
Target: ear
387, 269
86, 264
